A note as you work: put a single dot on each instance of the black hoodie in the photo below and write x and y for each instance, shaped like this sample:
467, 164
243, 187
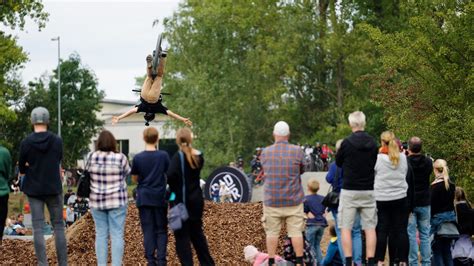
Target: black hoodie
40, 160
357, 157
422, 169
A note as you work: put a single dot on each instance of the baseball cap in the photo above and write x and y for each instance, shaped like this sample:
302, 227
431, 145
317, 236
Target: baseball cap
281, 129
40, 115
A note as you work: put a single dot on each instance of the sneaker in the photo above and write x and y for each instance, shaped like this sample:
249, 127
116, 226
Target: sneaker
149, 58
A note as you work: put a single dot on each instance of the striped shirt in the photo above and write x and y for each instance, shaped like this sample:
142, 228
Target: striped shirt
281, 164
108, 171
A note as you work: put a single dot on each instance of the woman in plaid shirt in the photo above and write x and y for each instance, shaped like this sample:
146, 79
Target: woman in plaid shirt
108, 198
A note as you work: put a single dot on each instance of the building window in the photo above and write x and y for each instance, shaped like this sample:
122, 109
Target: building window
122, 146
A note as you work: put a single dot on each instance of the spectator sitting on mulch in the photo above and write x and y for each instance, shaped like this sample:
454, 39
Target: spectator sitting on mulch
9, 227
19, 227
333, 257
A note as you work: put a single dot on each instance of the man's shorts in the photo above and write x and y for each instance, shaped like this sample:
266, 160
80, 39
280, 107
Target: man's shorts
353, 201
154, 108
273, 217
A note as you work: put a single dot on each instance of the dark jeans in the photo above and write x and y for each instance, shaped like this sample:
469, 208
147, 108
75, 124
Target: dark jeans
392, 226
441, 252
192, 232
3, 214
55, 208
155, 233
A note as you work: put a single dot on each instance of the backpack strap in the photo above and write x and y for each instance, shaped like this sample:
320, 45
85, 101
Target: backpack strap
181, 158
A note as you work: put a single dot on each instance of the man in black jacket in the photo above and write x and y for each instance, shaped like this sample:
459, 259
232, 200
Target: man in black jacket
40, 167
420, 217
357, 157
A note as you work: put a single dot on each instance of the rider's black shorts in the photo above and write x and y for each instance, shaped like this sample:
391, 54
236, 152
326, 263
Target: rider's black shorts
155, 108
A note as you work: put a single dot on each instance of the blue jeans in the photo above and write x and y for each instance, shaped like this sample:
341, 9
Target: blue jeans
109, 222
420, 218
314, 233
356, 239
55, 208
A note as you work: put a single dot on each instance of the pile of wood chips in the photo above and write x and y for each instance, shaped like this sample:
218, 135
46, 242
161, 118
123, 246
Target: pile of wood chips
229, 227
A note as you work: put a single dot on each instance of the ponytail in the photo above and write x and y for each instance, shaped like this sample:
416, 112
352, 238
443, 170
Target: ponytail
184, 139
388, 139
188, 152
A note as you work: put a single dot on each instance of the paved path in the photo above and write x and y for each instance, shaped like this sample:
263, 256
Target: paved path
257, 194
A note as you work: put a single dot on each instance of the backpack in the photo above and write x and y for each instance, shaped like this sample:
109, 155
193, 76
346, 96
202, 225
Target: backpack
309, 258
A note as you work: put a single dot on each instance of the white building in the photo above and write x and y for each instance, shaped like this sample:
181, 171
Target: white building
129, 131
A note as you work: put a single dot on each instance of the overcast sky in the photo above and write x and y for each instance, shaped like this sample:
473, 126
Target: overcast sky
112, 38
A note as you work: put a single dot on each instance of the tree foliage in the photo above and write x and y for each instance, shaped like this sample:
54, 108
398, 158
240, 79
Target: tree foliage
236, 68
426, 82
80, 100
12, 56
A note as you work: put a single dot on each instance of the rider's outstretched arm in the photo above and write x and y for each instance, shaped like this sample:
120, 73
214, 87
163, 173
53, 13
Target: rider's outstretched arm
116, 119
178, 117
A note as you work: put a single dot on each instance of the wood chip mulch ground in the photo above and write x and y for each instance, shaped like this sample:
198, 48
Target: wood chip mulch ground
229, 227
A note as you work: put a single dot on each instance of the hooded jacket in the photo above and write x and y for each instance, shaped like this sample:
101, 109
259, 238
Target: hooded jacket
422, 169
357, 157
40, 161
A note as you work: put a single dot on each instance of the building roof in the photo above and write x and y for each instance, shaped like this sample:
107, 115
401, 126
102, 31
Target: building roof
121, 102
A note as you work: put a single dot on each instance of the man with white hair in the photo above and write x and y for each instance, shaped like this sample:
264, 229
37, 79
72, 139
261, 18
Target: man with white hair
357, 157
282, 165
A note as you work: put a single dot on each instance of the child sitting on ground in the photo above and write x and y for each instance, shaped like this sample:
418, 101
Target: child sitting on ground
333, 258
316, 222
258, 258
150, 96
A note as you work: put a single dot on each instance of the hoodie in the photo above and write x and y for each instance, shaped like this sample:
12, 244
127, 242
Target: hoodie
422, 168
40, 161
357, 156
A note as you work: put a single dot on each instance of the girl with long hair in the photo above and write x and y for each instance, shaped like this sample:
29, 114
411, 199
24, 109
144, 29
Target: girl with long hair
393, 203
442, 211
191, 231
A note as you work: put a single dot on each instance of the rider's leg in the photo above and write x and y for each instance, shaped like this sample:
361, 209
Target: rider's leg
161, 67
146, 87
155, 90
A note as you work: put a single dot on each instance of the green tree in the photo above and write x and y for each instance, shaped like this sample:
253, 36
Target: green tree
12, 56
80, 100
425, 83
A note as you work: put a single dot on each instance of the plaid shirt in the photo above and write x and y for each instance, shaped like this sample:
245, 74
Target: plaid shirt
108, 171
281, 164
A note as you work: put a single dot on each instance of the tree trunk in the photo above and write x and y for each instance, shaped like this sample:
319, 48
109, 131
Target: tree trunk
340, 82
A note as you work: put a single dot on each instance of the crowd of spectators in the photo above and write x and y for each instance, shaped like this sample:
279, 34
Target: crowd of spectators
383, 188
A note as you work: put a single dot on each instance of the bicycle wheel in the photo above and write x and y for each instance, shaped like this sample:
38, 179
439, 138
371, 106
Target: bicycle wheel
156, 55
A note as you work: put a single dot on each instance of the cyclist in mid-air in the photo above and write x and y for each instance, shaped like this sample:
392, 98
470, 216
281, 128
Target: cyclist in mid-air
150, 95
